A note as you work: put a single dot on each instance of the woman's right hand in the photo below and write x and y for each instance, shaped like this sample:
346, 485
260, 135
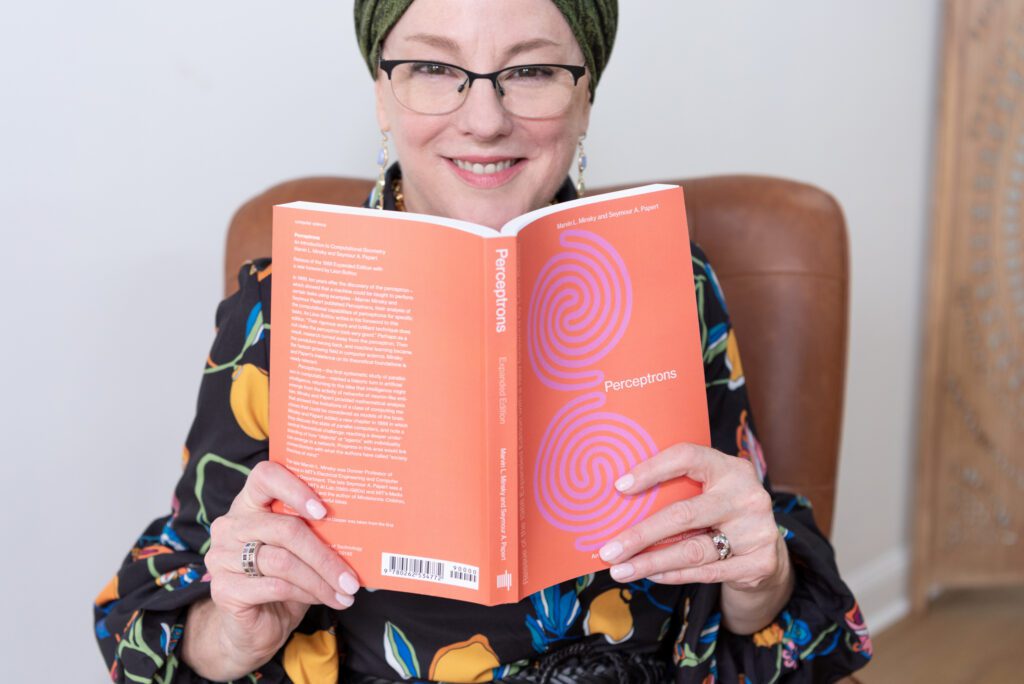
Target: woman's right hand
250, 618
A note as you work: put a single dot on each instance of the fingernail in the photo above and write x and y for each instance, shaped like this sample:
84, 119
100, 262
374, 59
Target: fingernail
345, 600
611, 551
625, 482
623, 571
316, 509
349, 584
656, 577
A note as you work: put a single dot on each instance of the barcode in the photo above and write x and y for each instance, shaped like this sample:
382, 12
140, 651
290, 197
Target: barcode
464, 573
430, 570
415, 567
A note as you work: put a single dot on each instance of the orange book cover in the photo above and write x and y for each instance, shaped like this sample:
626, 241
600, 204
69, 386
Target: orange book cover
463, 399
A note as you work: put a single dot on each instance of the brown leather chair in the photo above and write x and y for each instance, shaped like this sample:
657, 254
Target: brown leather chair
780, 251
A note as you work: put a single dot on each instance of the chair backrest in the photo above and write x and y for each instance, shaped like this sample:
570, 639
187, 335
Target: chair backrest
779, 249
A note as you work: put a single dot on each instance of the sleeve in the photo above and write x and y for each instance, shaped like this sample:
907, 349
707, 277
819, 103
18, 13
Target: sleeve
140, 614
820, 635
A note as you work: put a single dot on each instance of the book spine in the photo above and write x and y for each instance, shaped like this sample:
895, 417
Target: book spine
501, 411
518, 487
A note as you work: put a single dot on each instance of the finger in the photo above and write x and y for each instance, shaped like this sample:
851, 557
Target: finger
273, 561
287, 532
238, 592
750, 534
733, 569
269, 482
747, 573
703, 510
225, 569
693, 552
698, 462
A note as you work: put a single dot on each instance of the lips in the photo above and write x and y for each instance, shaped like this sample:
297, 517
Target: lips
486, 172
484, 166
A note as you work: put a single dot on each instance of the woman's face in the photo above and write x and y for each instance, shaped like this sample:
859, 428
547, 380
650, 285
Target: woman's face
482, 36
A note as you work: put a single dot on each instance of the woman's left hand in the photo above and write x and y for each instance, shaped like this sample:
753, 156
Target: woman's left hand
733, 501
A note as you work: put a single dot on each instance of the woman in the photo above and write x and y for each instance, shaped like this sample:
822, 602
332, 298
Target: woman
751, 591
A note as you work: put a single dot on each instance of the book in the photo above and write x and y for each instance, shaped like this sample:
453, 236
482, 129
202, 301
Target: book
463, 399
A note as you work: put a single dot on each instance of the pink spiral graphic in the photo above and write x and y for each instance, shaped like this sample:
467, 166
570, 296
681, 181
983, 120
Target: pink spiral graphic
579, 309
583, 452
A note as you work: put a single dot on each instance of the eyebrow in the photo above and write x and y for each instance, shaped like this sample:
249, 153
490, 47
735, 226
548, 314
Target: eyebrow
444, 43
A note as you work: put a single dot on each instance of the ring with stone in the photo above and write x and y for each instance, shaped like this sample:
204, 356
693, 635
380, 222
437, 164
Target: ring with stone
249, 551
722, 544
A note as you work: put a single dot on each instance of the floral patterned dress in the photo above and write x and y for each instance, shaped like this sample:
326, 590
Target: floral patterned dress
140, 615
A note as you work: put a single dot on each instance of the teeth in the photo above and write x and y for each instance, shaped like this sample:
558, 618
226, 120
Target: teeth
483, 169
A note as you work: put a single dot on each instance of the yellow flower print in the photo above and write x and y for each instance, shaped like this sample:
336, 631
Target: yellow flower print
250, 396
769, 636
109, 593
312, 658
732, 361
260, 275
466, 661
609, 615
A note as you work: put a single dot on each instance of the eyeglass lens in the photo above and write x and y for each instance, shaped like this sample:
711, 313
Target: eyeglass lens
529, 91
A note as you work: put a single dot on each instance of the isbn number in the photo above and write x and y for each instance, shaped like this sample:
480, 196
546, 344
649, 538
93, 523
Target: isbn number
430, 570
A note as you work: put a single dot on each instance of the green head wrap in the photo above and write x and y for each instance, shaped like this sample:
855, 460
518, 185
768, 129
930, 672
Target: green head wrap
593, 22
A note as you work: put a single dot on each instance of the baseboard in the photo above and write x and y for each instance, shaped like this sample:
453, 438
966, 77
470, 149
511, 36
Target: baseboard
881, 588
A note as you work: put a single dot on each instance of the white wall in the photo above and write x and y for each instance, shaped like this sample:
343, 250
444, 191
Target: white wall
129, 132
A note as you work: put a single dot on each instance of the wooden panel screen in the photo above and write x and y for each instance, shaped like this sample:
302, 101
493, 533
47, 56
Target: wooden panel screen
970, 503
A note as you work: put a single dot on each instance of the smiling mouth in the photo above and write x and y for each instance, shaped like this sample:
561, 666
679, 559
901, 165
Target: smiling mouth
488, 169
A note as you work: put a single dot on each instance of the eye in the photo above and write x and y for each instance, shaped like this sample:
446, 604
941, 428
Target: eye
431, 69
530, 73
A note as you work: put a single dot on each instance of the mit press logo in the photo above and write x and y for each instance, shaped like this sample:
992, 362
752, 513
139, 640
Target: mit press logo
505, 580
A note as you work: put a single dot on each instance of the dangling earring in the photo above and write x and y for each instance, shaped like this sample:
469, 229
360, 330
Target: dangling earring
377, 196
581, 166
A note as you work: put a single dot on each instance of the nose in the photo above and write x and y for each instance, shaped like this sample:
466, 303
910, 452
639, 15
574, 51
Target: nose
482, 114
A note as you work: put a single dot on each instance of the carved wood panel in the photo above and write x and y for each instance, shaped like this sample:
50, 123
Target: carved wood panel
970, 502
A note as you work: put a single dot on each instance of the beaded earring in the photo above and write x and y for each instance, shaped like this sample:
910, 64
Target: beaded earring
377, 196
581, 166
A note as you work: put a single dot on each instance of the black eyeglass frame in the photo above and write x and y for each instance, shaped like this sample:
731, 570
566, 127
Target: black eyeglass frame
388, 65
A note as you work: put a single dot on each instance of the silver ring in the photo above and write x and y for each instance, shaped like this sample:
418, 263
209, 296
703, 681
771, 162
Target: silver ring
722, 544
249, 550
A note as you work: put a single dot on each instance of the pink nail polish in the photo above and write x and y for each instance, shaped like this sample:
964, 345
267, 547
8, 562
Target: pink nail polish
348, 583
621, 572
610, 551
316, 509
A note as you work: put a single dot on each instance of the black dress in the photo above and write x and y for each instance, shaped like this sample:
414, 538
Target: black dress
140, 615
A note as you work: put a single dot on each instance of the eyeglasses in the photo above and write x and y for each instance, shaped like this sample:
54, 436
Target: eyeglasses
530, 91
